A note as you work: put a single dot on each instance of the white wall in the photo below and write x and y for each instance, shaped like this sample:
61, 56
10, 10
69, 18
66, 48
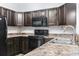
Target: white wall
77, 21
23, 7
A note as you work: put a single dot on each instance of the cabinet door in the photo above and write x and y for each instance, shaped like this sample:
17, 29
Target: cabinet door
10, 18
4, 12
42, 13
24, 45
70, 12
12, 15
35, 14
52, 20
10, 46
0, 11
62, 20
13, 46
16, 45
28, 19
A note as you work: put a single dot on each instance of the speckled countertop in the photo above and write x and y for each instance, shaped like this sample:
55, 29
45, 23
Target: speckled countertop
50, 49
10, 35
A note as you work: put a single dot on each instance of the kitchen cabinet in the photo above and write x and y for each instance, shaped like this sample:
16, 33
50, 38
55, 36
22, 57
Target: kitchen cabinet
62, 20
10, 18
17, 45
52, 17
67, 14
0, 11
4, 12
28, 19
9, 14
24, 45
35, 14
70, 14
42, 13
12, 46
19, 18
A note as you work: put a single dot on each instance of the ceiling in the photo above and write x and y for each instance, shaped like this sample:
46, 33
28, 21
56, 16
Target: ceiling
24, 7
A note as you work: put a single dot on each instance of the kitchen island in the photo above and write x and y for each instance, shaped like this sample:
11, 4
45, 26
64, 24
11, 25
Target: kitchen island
51, 49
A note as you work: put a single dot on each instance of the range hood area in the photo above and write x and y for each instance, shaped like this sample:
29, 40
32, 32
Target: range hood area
33, 28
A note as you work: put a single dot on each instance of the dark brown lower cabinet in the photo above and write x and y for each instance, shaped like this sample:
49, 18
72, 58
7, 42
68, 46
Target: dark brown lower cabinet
24, 45
9, 46
17, 45
12, 46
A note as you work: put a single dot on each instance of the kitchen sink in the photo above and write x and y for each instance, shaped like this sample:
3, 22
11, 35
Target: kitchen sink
61, 41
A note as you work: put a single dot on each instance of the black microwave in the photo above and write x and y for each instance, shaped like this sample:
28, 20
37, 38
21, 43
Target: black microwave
39, 21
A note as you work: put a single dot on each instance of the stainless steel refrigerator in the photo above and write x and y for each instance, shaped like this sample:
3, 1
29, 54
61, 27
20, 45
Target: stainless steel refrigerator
3, 36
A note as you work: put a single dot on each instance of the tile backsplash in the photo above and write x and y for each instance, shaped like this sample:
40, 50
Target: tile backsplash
52, 29
23, 29
12, 29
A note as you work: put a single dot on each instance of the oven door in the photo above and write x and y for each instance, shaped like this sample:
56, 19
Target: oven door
35, 41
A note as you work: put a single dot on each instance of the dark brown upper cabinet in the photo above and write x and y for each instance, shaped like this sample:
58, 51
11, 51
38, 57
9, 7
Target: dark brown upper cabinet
43, 13
52, 17
10, 18
0, 11
62, 20
19, 19
35, 14
4, 12
9, 14
63, 15
70, 13
67, 14
40, 13
28, 19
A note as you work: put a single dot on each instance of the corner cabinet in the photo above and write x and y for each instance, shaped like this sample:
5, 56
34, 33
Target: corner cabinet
9, 14
67, 14
17, 45
28, 19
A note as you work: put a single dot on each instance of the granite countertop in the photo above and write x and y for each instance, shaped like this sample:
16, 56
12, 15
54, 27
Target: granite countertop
50, 49
10, 35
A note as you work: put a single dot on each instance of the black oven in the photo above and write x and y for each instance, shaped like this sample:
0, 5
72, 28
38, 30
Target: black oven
38, 39
39, 21
41, 32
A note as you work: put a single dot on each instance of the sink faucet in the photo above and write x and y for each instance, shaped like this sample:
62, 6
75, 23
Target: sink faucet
73, 34
66, 27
